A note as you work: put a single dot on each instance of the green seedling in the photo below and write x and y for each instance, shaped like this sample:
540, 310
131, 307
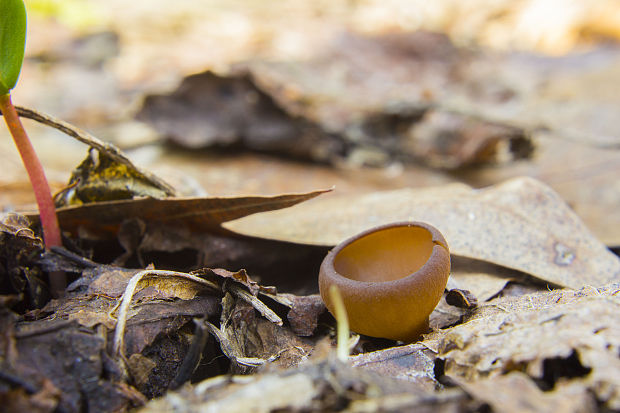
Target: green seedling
12, 45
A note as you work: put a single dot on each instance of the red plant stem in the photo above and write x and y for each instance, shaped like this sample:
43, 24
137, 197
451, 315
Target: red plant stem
47, 210
42, 193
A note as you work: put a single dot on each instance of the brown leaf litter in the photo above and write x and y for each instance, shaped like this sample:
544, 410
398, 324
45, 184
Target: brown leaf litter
520, 224
541, 352
364, 100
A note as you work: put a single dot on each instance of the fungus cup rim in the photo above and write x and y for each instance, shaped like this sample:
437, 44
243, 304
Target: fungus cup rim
328, 262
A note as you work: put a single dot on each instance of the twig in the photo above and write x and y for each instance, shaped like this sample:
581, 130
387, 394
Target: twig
73, 257
254, 302
192, 358
110, 150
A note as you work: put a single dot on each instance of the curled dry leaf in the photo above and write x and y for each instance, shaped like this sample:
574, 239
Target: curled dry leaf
19, 248
231, 111
520, 224
461, 298
101, 178
249, 340
220, 275
304, 314
152, 320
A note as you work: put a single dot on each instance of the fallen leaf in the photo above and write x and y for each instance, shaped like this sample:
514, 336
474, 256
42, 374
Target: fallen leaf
451, 140
461, 298
250, 340
100, 175
589, 186
412, 362
208, 109
515, 392
72, 358
520, 224
324, 386
199, 214
156, 319
333, 107
483, 279
19, 249
45, 400
101, 178
553, 337
304, 314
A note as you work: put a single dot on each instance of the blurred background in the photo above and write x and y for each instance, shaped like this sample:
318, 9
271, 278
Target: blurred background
264, 97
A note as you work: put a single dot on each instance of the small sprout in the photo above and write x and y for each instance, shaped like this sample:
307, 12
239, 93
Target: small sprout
12, 45
340, 312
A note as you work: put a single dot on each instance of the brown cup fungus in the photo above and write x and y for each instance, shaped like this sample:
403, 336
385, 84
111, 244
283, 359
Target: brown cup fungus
390, 277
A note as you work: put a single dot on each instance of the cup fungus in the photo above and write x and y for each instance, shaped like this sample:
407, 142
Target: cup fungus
390, 277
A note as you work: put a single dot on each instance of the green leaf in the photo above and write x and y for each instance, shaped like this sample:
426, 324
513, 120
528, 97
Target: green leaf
12, 42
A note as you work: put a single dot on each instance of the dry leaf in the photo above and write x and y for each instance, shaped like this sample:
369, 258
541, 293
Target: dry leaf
199, 214
101, 178
555, 336
589, 185
483, 279
517, 393
73, 358
520, 224
249, 340
304, 314
19, 249
323, 386
412, 362
231, 111
155, 319
263, 106
461, 299
104, 164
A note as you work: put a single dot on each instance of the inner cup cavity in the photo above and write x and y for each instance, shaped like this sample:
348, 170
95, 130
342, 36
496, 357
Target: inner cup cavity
385, 255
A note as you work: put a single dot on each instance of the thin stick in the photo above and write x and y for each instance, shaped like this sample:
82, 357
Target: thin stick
104, 147
267, 312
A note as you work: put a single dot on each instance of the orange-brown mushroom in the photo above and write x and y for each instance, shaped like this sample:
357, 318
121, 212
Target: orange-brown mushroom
390, 277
